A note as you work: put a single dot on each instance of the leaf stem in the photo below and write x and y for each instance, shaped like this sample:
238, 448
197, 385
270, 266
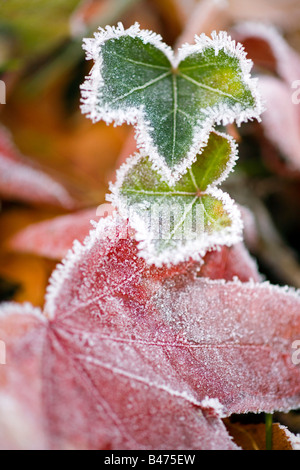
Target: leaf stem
269, 431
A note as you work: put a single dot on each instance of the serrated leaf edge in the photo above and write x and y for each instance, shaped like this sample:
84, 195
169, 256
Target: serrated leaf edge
101, 232
8, 308
62, 271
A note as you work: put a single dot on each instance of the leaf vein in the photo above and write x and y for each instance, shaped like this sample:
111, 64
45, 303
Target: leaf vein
158, 193
142, 87
207, 87
136, 62
175, 115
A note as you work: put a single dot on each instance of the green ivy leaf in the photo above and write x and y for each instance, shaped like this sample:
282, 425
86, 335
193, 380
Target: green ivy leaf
174, 102
182, 221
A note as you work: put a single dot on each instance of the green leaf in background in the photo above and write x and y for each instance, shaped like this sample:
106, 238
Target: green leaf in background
36, 25
182, 221
174, 102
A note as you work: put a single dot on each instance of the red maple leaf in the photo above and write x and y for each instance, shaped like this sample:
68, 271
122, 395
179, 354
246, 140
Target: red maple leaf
127, 356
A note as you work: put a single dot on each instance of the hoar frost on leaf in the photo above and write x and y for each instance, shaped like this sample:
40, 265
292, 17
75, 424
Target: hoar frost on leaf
173, 100
54, 238
185, 220
128, 356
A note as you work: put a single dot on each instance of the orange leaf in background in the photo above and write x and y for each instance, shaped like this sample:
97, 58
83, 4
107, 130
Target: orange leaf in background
91, 14
29, 273
253, 436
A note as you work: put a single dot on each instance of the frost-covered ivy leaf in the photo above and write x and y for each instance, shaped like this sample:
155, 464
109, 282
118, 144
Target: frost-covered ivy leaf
182, 221
19, 180
128, 356
174, 101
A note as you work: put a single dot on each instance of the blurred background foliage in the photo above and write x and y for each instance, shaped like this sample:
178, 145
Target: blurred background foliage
42, 64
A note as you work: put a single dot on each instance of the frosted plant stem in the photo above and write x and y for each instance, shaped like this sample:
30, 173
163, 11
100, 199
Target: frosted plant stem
269, 431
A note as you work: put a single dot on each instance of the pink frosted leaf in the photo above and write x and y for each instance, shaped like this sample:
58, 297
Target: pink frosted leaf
267, 48
260, 314
84, 405
54, 238
19, 180
138, 357
241, 335
23, 329
228, 263
80, 364
281, 120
